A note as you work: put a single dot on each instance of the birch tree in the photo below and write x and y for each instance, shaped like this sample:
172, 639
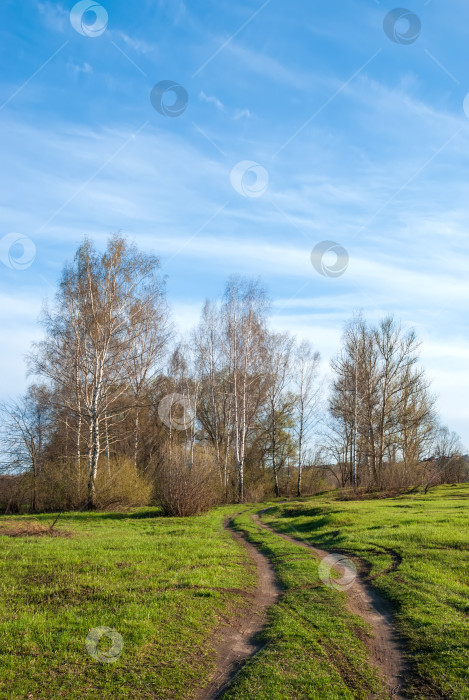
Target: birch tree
212, 411
244, 330
93, 336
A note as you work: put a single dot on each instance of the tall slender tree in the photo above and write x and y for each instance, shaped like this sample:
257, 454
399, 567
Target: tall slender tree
94, 335
307, 404
280, 402
244, 331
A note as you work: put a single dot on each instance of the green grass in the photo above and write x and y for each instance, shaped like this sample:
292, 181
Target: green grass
315, 647
417, 550
163, 584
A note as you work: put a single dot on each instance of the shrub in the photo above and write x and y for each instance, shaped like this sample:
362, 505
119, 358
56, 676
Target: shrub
183, 490
63, 485
121, 485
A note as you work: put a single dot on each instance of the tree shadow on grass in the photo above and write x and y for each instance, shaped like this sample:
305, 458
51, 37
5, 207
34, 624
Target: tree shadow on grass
96, 516
308, 530
136, 515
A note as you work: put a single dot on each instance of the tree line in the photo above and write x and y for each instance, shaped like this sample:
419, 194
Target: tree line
122, 412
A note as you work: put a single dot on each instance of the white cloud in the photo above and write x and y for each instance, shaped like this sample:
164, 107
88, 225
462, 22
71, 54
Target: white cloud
261, 63
210, 99
77, 69
242, 113
54, 15
138, 45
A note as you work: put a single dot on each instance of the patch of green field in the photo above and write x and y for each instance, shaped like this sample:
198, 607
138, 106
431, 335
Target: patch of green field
417, 548
163, 584
315, 647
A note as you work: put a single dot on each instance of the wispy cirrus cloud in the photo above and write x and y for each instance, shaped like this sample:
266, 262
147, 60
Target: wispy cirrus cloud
211, 99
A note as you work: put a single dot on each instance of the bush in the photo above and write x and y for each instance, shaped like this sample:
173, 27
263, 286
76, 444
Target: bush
182, 490
122, 485
63, 485
15, 493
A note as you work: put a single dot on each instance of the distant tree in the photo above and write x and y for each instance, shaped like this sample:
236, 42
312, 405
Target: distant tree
307, 401
446, 457
279, 400
25, 428
151, 331
213, 411
380, 401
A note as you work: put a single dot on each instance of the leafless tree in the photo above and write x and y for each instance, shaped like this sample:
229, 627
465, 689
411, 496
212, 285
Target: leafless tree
25, 427
307, 404
151, 333
213, 404
280, 402
244, 333
380, 398
94, 334
447, 454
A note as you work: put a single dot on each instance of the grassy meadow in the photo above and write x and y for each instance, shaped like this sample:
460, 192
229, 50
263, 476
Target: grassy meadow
166, 584
163, 584
416, 549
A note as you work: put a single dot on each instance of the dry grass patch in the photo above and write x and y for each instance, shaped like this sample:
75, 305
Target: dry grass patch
28, 528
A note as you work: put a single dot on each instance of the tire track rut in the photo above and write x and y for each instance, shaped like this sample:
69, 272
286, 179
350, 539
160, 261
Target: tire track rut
239, 642
384, 646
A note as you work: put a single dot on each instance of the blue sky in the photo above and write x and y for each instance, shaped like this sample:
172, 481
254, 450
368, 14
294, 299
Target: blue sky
364, 141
